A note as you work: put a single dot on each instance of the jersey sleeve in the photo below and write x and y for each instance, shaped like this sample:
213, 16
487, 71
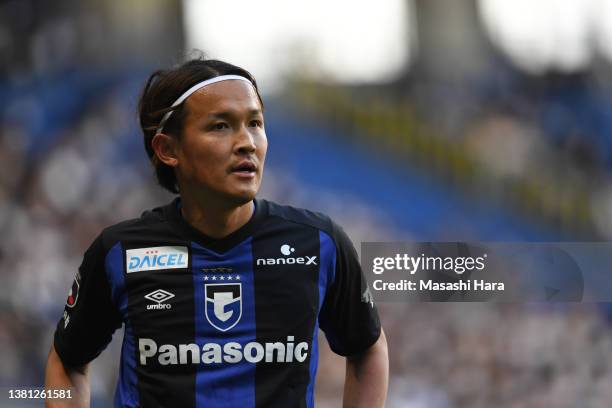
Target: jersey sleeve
348, 316
90, 316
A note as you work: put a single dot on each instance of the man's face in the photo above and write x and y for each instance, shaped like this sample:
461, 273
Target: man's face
222, 150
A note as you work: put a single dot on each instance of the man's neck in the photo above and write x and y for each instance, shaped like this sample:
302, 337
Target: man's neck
213, 220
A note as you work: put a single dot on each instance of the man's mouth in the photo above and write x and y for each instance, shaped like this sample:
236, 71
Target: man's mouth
244, 168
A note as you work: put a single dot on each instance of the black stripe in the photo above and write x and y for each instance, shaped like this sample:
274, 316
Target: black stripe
163, 385
286, 304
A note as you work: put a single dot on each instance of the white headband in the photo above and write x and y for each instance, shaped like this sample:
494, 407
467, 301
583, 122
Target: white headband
194, 88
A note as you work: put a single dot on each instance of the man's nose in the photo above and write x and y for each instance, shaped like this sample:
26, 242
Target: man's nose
245, 142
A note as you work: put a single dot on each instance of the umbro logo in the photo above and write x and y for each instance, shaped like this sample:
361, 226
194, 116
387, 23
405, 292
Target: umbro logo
287, 250
159, 296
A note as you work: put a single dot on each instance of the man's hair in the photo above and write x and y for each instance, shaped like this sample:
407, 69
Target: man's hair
161, 90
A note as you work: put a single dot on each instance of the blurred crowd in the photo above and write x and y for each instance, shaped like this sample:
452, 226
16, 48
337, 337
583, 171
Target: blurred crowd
539, 146
481, 355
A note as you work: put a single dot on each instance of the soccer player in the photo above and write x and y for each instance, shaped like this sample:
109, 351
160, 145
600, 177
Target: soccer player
221, 294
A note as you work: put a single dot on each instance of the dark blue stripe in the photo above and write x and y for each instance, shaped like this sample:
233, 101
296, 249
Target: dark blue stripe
327, 256
224, 384
126, 394
116, 278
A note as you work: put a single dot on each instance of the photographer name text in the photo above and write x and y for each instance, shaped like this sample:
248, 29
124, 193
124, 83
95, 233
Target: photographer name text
431, 285
455, 265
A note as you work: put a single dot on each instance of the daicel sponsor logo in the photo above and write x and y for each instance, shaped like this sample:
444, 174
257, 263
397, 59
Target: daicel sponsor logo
156, 258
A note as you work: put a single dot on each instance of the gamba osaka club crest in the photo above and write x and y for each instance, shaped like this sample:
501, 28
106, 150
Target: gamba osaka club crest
223, 304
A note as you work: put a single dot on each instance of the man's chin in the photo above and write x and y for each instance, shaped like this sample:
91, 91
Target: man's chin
228, 195
241, 198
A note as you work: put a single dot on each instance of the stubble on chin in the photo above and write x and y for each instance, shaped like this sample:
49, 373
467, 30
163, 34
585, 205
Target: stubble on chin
241, 198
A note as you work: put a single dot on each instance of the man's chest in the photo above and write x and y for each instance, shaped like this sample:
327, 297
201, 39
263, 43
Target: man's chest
269, 288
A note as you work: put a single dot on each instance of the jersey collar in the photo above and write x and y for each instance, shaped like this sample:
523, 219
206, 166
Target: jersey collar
219, 245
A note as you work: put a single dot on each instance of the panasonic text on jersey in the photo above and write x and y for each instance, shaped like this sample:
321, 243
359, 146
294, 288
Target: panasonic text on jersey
214, 353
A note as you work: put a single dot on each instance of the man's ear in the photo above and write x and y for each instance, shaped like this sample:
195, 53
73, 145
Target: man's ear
165, 148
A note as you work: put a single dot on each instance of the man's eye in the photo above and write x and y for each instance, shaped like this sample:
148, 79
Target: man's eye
219, 126
256, 123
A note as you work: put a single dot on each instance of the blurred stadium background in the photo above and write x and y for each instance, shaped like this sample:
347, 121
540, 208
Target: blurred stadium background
405, 119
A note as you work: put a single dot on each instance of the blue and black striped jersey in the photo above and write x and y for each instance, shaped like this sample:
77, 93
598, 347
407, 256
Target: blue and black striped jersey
229, 322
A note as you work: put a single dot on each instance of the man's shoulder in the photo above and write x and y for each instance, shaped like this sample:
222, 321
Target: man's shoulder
148, 226
302, 216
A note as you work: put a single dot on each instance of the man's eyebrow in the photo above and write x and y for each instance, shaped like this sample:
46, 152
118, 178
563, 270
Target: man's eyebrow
230, 114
